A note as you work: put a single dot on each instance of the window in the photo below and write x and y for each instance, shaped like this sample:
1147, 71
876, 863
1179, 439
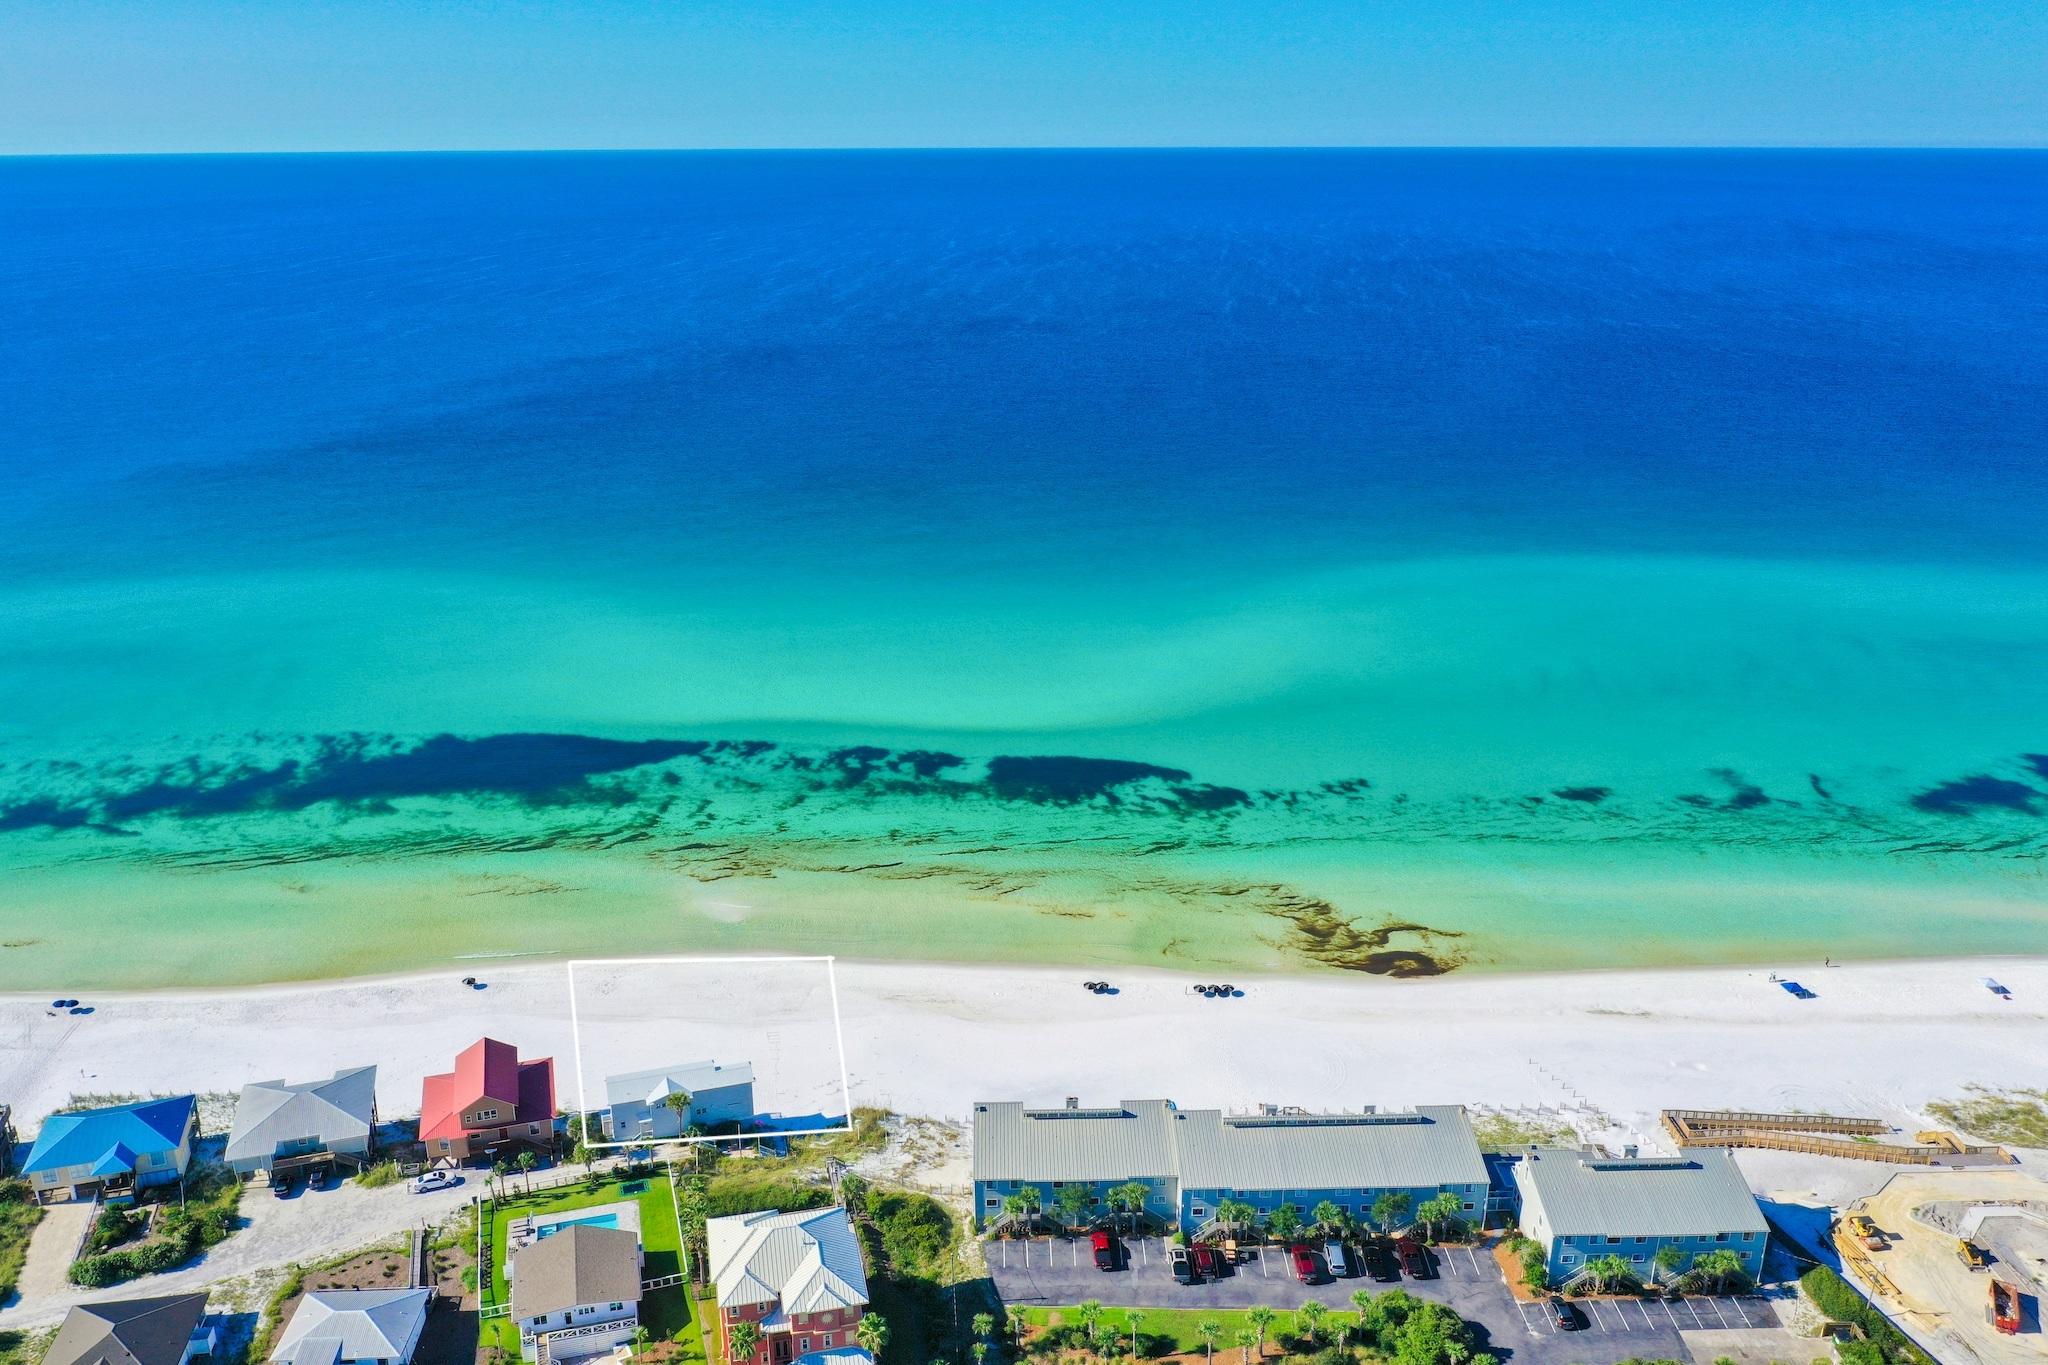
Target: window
532, 1128
1720, 1236
1637, 1258
995, 1201
1749, 1237
1614, 1241
803, 1343
444, 1144
486, 1115
1468, 1206
616, 1307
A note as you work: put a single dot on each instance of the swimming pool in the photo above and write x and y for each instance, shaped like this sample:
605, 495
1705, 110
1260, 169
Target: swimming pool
596, 1220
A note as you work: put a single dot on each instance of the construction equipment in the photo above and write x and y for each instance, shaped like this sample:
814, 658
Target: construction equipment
1865, 1231
1972, 1255
1817, 1135
2004, 1310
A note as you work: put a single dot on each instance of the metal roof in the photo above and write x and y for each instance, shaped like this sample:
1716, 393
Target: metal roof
1133, 1140
1400, 1149
656, 1084
128, 1331
354, 1324
335, 1110
805, 1262
1582, 1194
109, 1138
578, 1265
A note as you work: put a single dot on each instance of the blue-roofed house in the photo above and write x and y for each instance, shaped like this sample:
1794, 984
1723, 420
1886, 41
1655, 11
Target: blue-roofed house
112, 1151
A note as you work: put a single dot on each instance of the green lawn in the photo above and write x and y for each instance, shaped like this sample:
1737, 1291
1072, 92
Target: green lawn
1179, 1325
664, 1312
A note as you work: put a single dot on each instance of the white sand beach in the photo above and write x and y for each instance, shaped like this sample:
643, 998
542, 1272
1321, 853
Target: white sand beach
1882, 1038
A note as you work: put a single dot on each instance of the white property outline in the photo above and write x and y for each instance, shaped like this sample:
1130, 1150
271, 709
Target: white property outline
576, 1042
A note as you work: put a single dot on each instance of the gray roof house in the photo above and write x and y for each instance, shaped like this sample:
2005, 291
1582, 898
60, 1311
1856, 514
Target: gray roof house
281, 1126
1584, 1205
803, 1263
576, 1292
354, 1327
1424, 1147
159, 1331
1191, 1159
638, 1102
1132, 1140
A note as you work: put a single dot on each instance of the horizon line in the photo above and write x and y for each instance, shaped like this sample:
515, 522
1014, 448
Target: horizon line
748, 150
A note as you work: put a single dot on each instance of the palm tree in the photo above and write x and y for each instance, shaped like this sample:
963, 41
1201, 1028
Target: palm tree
979, 1350
983, 1324
1072, 1202
1328, 1217
1284, 1222
1013, 1318
525, 1162
1132, 1318
1310, 1318
1389, 1210
1717, 1271
1609, 1273
1247, 1338
1235, 1216
1024, 1205
1209, 1331
1361, 1299
641, 1337
853, 1196
1439, 1212
872, 1333
1667, 1260
1090, 1313
1261, 1320
678, 1102
1130, 1198
742, 1339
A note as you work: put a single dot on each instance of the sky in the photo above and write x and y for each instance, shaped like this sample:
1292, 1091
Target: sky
97, 76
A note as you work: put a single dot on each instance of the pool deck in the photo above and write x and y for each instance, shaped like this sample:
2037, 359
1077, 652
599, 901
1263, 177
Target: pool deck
624, 1213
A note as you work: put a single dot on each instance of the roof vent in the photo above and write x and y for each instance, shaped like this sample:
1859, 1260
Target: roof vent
1073, 1101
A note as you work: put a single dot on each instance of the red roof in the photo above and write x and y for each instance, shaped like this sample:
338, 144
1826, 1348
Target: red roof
487, 1070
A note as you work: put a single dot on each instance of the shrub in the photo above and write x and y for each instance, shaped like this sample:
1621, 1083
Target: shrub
1838, 1299
378, 1176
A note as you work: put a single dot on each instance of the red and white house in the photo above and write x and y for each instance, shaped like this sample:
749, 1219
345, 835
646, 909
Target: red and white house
796, 1276
491, 1099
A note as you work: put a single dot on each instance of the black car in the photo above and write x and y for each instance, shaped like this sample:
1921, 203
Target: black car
280, 1189
1562, 1315
1379, 1262
316, 1179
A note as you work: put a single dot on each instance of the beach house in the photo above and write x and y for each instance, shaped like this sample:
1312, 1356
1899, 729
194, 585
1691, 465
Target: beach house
576, 1292
114, 1151
170, 1330
1191, 1160
798, 1277
1580, 1206
666, 1102
354, 1327
491, 1102
280, 1127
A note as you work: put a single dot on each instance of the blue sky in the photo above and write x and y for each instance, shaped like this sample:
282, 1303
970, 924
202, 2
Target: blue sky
240, 75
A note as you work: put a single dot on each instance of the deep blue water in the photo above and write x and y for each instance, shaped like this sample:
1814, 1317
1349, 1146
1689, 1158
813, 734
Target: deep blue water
1016, 367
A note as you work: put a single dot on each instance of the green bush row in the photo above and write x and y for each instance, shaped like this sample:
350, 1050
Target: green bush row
1837, 1298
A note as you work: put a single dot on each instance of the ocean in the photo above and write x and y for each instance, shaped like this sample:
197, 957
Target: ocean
1395, 562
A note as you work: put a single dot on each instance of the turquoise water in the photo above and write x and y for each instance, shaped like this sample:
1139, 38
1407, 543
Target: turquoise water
1395, 561
598, 1220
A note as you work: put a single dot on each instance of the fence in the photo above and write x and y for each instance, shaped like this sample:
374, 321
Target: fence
1813, 1134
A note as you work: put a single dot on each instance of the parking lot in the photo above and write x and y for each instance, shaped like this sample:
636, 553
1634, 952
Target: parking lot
1467, 1280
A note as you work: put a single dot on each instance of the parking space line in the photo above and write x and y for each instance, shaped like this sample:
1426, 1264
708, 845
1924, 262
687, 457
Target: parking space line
1697, 1320
1717, 1312
1649, 1325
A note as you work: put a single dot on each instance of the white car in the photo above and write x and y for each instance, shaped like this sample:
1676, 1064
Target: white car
435, 1180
